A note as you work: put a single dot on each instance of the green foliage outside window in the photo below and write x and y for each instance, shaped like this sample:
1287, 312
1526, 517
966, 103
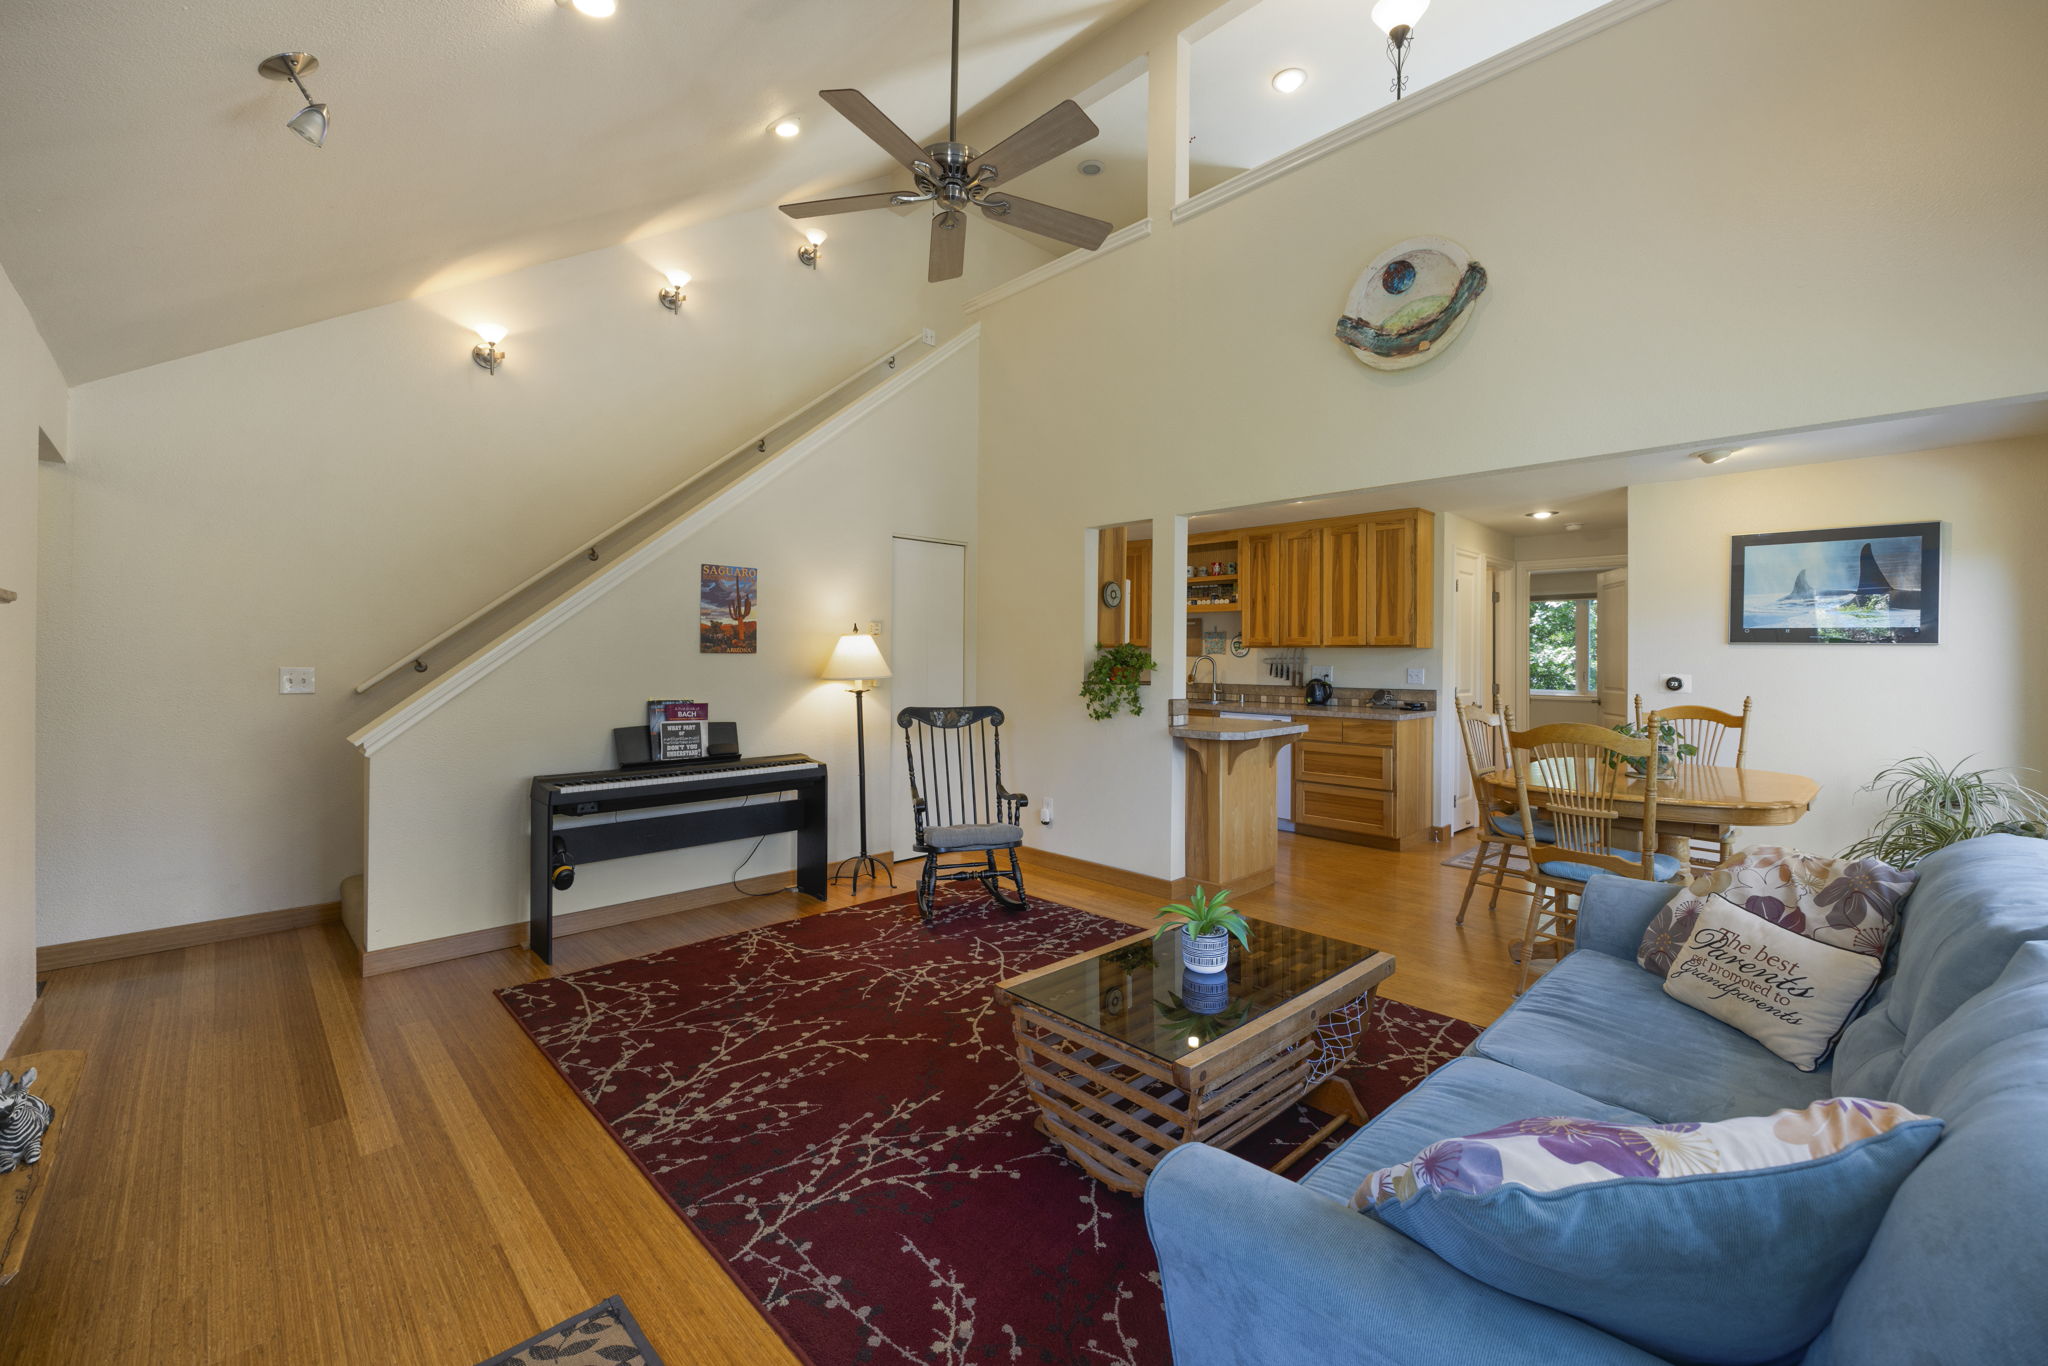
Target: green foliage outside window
1558, 660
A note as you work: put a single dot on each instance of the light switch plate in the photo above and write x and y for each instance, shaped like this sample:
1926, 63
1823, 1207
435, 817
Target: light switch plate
290, 680
1416, 678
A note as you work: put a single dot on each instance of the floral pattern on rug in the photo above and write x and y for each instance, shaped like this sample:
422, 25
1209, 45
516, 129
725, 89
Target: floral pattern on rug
833, 1104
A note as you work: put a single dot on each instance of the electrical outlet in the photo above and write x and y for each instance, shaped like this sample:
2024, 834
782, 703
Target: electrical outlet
1325, 672
1417, 677
291, 680
1675, 683
1045, 814
874, 628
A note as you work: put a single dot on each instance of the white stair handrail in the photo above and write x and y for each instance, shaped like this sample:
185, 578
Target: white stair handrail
588, 545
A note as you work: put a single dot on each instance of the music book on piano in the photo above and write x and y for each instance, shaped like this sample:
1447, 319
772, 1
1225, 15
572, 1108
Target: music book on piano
677, 729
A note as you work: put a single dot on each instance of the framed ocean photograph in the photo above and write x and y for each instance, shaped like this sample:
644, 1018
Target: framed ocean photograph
726, 598
1857, 585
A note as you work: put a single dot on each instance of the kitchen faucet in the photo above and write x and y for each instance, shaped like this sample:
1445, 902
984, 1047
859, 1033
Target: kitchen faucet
1215, 692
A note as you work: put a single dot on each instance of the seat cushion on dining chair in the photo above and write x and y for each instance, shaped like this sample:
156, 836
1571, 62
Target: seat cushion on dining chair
1665, 866
947, 839
1509, 824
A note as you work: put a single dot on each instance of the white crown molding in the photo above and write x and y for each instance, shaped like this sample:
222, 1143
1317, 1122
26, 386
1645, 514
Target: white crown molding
431, 699
1122, 237
1478, 74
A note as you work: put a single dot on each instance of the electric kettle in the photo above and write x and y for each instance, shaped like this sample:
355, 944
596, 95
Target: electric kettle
1320, 692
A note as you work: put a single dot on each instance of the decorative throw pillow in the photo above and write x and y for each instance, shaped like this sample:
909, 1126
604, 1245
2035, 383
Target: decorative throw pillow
1725, 1242
1850, 903
1791, 994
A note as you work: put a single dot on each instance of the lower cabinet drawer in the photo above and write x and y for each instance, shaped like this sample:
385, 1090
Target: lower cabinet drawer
1351, 765
1343, 808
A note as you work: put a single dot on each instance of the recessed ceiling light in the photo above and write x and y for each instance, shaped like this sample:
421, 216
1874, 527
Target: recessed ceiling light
786, 128
1090, 167
1574, 526
1290, 80
1541, 514
1714, 457
596, 9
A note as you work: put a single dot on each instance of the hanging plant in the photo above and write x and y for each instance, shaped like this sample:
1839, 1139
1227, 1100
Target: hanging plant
1112, 681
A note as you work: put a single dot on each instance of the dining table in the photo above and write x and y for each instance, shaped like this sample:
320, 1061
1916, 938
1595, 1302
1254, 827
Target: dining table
1694, 801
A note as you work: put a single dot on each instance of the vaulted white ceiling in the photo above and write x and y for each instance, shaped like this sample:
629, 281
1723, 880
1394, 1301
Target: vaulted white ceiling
153, 205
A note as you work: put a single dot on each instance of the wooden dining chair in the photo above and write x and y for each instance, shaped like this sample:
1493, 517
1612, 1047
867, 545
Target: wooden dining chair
1706, 729
1499, 829
1567, 778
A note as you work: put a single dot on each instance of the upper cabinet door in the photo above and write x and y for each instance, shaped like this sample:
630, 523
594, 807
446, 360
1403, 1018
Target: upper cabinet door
1400, 579
1258, 587
1344, 584
1138, 575
1301, 585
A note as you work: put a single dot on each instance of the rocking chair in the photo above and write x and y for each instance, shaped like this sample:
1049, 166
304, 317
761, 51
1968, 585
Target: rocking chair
959, 803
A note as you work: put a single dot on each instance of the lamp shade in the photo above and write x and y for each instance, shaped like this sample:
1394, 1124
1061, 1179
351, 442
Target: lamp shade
310, 123
1393, 14
856, 657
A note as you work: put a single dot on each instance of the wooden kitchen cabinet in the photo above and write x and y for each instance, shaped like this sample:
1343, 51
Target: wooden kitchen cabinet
1399, 583
1371, 786
1138, 571
1344, 584
1300, 587
1258, 587
1346, 581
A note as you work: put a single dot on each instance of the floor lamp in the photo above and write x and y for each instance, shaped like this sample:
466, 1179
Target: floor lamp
857, 661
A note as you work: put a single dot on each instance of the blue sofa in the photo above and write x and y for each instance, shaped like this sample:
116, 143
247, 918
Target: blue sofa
1261, 1271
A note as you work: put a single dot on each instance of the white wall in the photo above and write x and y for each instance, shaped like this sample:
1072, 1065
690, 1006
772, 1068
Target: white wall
447, 830
1627, 206
335, 494
1838, 713
31, 401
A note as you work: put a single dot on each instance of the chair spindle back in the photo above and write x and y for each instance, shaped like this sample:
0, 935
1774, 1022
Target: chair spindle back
1706, 729
955, 759
1571, 774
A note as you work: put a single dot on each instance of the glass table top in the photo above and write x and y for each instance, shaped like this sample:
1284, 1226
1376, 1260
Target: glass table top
1140, 994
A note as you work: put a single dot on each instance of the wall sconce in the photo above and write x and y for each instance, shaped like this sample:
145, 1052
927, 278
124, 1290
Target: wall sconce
809, 254
310, 122
486, 352
1397, 19
672, 297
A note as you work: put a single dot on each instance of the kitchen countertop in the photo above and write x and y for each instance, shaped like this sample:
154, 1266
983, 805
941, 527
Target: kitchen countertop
1228, 728
1303, 709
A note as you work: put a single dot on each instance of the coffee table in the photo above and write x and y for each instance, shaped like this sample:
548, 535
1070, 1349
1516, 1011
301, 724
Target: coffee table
1127, 1056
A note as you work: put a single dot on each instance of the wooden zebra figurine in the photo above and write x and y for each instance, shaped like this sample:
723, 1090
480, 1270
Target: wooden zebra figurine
23, 1121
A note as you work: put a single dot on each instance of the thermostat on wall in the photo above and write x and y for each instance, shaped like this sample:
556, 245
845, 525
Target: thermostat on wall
1677, 682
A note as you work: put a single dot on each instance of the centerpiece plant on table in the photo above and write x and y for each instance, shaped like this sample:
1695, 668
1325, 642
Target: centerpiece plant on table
1208, 922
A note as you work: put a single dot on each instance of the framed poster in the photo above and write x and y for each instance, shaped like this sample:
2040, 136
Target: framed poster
727, 595
1857, 585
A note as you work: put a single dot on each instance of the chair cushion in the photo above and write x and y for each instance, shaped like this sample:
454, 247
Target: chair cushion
1975, 904
1463, 1096
946, 839
1956, 1271
1666, 866
1504, 823
1603, 1027
1700, 1242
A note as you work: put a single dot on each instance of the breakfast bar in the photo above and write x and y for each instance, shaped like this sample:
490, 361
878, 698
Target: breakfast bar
1233, 832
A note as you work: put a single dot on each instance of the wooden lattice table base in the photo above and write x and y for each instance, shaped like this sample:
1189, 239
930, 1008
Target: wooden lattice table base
1117, 1109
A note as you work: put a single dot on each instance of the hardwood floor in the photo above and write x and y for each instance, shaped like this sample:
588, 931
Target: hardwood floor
272, 1160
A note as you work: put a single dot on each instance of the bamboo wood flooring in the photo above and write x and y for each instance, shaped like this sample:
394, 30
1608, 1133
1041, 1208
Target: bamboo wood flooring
273, 1160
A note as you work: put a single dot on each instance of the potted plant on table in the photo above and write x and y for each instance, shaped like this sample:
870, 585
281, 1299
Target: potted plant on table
1671, 747
1207, 924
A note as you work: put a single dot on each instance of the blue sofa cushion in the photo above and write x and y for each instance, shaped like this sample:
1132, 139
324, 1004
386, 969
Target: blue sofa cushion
1664, 865
1726, 1243
1463, 1096
1958, 1269
1976, 903
1603, 1027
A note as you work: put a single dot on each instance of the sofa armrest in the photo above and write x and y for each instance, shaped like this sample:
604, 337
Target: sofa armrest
1614, 912
1260, 1272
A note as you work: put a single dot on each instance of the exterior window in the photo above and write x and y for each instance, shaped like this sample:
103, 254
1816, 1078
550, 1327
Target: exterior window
1564, 647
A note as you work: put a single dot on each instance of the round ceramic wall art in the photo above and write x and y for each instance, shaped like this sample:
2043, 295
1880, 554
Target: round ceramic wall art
1412, 299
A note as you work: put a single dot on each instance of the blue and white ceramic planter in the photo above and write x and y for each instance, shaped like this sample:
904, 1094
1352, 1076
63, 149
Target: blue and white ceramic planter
1205, 953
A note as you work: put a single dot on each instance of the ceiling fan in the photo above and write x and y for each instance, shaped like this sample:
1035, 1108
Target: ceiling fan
953, 177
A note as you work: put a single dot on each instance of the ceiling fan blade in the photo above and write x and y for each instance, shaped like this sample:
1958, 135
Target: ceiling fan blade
853, 203
949, 245
1045, 220
860, 111
1060, 129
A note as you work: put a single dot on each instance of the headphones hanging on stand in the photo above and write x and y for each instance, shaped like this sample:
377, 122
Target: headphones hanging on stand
563, 874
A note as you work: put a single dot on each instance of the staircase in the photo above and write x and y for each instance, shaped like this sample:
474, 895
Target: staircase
427, 675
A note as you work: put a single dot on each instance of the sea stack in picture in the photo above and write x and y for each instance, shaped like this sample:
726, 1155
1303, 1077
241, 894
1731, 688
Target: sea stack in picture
1802, 591
1874, 587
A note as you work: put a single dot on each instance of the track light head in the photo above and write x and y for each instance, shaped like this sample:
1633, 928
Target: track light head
310, 122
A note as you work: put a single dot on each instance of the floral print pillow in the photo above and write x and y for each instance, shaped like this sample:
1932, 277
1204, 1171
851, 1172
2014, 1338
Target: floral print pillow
1850, 903
1551, 1154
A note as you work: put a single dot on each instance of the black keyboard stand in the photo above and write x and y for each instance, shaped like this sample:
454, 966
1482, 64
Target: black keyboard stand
595, 843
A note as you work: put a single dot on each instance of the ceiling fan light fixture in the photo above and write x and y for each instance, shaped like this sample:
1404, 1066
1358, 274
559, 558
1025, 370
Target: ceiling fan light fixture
1289, 80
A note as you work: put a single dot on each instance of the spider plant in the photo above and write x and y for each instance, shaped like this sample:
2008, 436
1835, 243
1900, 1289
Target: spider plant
1205, 913
1928, 807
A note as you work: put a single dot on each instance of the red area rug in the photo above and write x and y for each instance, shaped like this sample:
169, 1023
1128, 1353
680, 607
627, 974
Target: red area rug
833, 1104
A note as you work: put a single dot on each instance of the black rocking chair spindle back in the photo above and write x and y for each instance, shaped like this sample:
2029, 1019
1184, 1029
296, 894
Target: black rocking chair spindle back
958, 801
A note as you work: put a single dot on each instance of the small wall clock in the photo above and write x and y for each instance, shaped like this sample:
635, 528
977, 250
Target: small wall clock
1410, 302
1112, 594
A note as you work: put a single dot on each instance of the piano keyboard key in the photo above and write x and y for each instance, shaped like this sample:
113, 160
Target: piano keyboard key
700, 775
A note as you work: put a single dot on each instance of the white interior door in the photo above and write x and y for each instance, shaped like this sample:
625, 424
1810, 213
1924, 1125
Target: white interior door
926, 643
1611, 600
1474, 677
